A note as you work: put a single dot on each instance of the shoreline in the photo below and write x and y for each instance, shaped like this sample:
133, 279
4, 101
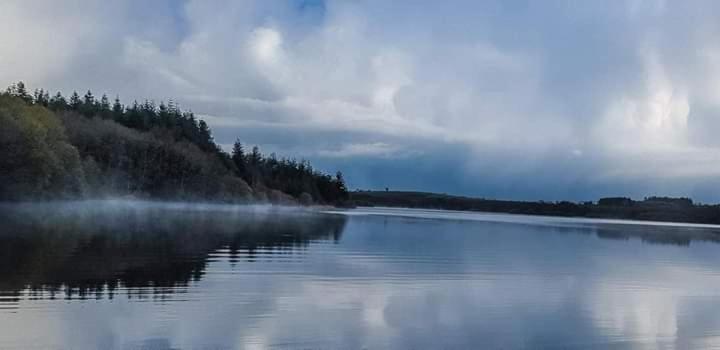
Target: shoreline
659, 209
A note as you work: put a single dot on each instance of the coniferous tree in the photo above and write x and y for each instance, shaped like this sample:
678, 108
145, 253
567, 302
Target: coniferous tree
75, 102
104, 107
253, 166
255, 156
341, 188
117, 110
58, 103
41, 98
89, 107
133, 116
37, 97
188, 162
238, 157
164, 116
189, 128
21, 92
11, 89
206, 139
46, 98
89, 98
149, 116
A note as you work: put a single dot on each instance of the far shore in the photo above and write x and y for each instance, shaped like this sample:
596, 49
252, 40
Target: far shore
661, 209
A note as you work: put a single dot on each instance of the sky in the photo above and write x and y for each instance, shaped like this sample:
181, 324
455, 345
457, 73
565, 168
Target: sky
534, 100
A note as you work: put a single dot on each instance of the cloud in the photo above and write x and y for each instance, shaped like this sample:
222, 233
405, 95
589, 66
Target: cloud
377, 149
600, 98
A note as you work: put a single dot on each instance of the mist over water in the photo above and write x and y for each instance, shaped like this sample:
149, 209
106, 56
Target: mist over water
95, 247
153, 275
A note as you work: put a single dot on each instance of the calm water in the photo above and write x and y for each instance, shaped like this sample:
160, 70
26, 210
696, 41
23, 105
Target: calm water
128, 275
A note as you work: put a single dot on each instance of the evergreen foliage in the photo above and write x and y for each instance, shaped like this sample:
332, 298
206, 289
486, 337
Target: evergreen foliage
67, 147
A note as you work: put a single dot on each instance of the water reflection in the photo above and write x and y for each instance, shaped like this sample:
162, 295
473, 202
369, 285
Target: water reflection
92, 250
169, 277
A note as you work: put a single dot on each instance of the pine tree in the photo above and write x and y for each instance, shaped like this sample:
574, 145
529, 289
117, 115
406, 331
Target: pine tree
21, 91
238, 158
255, 156
206, 140
46, 98
189, 127
103, 108
340, 181
133, 116
104, 103
166, 115
89, 106
40, 98
192, 174
58, 103
117, 110
147, 112
75, 102
89, 99
11, 89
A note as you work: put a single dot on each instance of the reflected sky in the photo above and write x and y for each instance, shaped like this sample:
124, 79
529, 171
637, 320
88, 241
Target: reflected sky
131, 275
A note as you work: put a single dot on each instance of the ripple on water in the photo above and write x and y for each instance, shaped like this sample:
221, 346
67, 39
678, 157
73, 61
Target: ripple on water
173, 277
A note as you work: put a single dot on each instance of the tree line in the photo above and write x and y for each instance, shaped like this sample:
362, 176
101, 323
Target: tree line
83, 146
650, 208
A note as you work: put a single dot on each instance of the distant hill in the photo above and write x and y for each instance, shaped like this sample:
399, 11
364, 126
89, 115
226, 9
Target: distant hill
652, 208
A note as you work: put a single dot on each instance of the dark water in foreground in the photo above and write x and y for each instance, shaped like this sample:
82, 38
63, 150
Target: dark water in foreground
127, 275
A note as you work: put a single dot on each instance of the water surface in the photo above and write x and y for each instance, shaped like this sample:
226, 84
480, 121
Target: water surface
134, 275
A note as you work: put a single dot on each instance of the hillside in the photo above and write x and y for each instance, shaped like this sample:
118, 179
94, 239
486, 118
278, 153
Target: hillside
83, 147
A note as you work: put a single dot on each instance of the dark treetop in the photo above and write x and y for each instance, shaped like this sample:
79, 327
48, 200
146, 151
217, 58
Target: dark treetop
82, 146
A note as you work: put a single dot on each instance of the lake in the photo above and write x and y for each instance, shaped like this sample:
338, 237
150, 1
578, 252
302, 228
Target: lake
141, 275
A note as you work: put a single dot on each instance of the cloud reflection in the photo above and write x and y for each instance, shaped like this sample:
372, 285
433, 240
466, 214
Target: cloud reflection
365, 281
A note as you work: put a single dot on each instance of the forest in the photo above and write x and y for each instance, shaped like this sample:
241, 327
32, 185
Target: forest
53, 147
650, 208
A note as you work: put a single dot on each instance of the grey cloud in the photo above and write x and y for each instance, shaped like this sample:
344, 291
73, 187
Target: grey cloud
554, 98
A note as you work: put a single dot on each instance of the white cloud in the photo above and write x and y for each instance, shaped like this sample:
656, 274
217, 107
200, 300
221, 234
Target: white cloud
377, 149
519, 85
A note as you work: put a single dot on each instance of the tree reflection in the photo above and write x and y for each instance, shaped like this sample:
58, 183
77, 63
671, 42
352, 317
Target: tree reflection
679, 236
147, 250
